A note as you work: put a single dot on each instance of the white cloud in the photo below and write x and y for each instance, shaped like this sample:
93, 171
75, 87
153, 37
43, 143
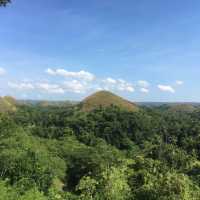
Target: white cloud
2, 71
21, 86
144, 90
50, 88
83, 81
50, 71
111, 81
84, 75
123, 85
75, 86
143, 83
166, 88
43, 87
179, 82
129, 89
119, 84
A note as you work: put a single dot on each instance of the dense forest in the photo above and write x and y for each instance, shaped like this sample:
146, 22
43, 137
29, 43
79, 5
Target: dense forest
62, 153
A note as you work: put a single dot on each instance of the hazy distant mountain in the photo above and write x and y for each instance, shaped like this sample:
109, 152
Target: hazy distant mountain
45, 103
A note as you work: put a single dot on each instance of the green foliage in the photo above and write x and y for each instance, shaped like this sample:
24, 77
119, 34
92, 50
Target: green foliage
6, 192
115, 185
61, 153
22, 157
33, 194
87, 186
169, 186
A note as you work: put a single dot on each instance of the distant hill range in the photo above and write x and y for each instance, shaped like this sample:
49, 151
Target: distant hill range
172, 107
7, 104
105, 99
46, 103
156, 104
99, 99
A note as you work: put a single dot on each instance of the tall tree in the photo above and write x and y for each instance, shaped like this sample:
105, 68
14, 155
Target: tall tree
4, 2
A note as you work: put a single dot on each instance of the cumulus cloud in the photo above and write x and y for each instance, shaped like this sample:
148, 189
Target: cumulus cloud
84, 75
166, 88
75, 86
21, 86
78, 82
119, 84
82, 81
129, 89
50, 88
50, 72
2, 71
143, 83
144, 90
110, 81
179, 82
125, 86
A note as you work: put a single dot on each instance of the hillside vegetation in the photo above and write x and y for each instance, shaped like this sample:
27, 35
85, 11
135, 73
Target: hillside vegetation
183, 108
7, 104
109, 153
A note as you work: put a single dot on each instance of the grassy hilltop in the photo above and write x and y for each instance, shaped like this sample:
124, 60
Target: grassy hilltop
106, 99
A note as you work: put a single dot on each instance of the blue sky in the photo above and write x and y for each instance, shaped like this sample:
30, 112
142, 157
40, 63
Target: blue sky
66, 49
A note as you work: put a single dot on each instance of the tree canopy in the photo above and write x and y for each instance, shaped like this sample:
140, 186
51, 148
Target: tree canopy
63, 153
